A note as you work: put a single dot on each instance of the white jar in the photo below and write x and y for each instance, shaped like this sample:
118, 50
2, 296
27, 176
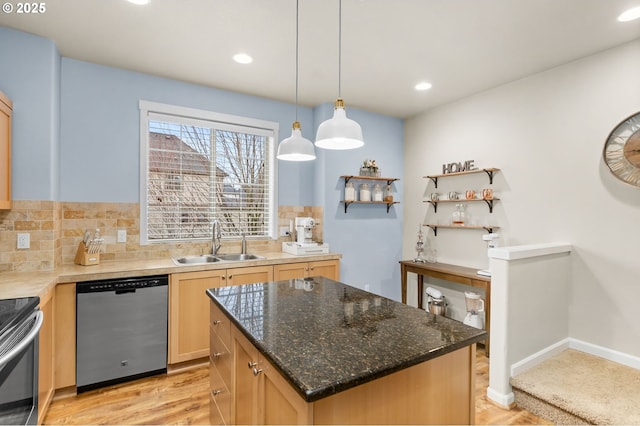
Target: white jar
349, 192
377, 192
365, 192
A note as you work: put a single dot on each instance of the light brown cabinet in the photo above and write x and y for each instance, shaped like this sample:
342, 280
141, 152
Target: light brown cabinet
220, 367
46, 357
65, 336
6, 110
261, 395
189, 307
437, 391
325, 268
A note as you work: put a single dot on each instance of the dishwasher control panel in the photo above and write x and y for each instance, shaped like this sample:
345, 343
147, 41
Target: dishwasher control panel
122, 284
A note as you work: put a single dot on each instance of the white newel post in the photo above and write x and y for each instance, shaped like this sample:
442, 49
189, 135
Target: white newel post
529, 308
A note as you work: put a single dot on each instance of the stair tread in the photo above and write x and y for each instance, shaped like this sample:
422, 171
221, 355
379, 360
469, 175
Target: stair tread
595, 389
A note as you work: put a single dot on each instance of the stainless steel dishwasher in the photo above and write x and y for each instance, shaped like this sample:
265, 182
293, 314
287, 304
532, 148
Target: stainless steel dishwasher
121, 330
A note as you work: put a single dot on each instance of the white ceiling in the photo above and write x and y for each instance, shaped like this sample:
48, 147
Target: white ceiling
460, 46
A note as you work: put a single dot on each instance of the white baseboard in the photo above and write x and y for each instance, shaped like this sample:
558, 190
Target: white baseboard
606, 353
570, 343
504, 400
535, 359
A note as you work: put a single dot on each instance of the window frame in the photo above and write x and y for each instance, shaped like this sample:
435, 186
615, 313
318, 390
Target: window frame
153, 110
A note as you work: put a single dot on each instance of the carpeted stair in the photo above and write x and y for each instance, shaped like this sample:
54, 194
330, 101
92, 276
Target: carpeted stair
577, 388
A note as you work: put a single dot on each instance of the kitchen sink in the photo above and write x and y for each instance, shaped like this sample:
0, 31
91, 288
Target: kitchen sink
238, 256
209, 258
193, 260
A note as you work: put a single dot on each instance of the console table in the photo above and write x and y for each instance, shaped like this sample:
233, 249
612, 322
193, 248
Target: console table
455, 273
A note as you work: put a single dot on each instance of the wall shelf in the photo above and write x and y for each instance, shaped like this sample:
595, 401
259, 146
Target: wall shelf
490, 172
490, 202
388, 180
488, 228
389, 204
347, 178
464, 200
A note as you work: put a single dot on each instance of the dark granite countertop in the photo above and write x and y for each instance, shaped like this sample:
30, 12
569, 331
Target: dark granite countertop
325, 337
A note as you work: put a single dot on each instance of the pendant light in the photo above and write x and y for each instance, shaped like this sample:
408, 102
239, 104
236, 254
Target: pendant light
296, 147
339, 132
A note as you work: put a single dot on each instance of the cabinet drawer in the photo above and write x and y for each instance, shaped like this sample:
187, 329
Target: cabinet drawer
221, 358
220, 394
220, 324
215, 418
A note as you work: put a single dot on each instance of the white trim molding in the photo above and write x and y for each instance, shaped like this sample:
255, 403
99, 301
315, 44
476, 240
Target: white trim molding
579, 345
606, 353
540, 356
504, 400
527, 251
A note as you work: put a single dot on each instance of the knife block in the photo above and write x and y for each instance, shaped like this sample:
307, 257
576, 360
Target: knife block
84, 258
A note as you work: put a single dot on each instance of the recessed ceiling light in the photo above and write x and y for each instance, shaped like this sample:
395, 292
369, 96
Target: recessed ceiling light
242, 58
424, 85
139, 2
630, 14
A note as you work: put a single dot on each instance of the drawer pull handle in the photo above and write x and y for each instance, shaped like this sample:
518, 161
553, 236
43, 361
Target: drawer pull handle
217, 355
216, 392
216, 322
252, 364
256, 371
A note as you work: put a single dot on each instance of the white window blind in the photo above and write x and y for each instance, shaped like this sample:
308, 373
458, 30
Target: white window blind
201, 167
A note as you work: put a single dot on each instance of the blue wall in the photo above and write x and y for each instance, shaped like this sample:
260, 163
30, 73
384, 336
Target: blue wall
100, 130
76, 128
369, 238
30, 77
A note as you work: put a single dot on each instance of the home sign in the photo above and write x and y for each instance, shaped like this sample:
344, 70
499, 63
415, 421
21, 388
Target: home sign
458, 167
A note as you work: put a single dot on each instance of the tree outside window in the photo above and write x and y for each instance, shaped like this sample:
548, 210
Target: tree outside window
198, 173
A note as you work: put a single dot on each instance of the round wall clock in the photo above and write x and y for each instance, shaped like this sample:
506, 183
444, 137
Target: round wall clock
621, 151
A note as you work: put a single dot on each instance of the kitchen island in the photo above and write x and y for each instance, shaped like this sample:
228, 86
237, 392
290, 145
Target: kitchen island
316, 351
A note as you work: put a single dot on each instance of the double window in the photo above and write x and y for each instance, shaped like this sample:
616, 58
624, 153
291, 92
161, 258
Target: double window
198, 167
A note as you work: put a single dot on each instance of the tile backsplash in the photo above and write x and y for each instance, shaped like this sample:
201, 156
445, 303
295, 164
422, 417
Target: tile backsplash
42, 221
56, 228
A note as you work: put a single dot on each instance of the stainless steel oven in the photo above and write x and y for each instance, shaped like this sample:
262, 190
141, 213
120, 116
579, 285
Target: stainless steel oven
20, 322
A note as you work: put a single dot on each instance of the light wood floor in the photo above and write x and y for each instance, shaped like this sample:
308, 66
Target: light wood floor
489, 414
182, 398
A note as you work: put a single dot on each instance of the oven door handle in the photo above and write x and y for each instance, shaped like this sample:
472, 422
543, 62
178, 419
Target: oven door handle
25, 341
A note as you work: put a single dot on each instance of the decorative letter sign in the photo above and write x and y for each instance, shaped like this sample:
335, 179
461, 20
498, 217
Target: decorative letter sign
458, 167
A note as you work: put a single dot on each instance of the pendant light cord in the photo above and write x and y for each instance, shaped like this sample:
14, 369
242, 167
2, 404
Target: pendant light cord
339, 48
297, 19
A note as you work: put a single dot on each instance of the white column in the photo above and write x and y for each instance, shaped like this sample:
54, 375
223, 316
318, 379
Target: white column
529, 308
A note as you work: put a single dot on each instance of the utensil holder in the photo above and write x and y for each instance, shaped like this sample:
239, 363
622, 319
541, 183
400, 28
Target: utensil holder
84, 258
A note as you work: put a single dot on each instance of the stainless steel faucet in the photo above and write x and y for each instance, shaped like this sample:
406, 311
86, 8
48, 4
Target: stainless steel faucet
216, 236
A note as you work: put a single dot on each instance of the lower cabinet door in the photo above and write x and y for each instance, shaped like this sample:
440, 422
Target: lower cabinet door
290, 271
262, 395
249, 275
278, 403
189, 314
325, 268
245, 398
